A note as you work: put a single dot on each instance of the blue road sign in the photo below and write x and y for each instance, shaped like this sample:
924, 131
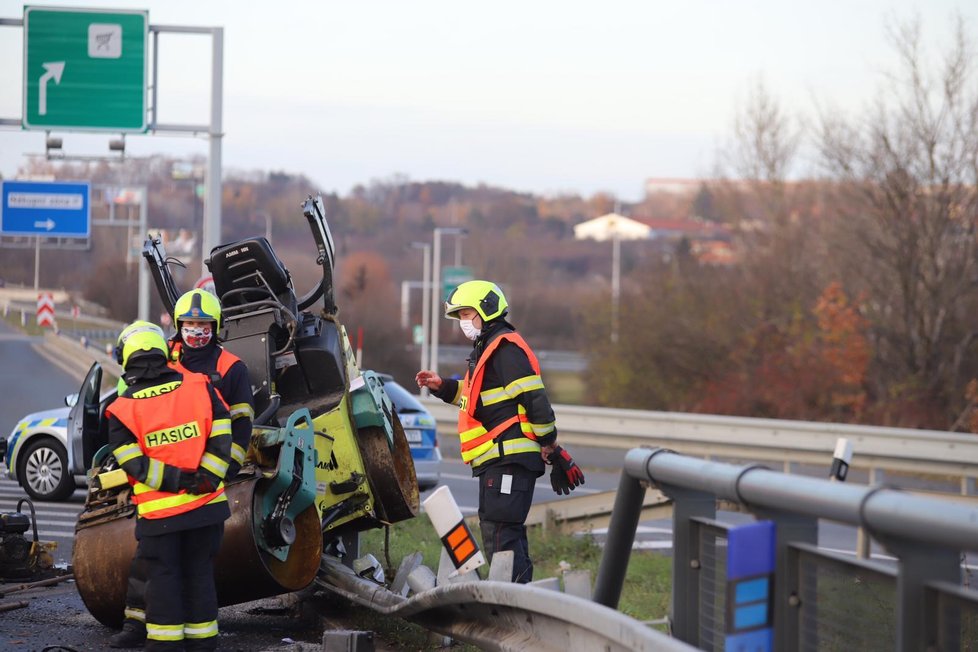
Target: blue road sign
53, 209
751, 554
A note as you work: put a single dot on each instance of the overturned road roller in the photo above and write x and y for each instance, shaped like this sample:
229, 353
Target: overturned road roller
328, 457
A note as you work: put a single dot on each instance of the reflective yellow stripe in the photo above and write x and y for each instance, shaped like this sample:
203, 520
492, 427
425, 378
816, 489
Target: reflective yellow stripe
44, 423
457, 399
127, 452
132, 613
154, 475
473, 453
220, 427
512, 390
237, 454
174, 500
156, 632
156, 390
543, 429
474, 433
214, 464
200, 630
239, 410
510, 447
493, 396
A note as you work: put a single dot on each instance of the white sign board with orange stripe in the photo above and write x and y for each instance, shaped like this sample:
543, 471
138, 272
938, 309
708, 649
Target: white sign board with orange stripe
453, 531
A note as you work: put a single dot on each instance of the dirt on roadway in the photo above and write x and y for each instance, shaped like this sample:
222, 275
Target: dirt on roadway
55, 620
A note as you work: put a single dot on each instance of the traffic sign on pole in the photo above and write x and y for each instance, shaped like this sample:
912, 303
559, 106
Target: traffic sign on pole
85, 69
54, 209
45, 310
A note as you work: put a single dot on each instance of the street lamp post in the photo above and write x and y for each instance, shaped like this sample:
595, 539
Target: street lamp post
436, 287
425, 301
615, 283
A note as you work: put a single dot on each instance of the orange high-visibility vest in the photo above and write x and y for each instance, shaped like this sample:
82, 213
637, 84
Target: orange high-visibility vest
475, 440
173, 428
224, 361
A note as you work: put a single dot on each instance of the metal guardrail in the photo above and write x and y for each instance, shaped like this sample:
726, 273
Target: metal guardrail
592, 511
876, 449
75, 357
927, 535
504, 616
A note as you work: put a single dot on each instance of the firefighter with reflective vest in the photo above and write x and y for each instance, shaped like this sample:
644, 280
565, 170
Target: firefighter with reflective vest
506, 424
171, 433
197, 315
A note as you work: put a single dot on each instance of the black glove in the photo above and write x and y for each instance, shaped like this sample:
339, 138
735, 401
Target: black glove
197, 482
566, 474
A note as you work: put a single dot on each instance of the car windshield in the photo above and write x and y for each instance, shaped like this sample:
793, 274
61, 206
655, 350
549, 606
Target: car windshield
402, 399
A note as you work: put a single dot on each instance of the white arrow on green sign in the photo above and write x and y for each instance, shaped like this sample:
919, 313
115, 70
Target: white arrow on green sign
85, 69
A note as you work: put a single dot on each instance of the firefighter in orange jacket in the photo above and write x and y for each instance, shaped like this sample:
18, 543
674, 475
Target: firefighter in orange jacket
506, 424
197, 315
171, 433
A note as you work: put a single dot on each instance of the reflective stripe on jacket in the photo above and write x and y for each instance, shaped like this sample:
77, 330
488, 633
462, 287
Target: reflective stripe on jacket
479, 445
172, 428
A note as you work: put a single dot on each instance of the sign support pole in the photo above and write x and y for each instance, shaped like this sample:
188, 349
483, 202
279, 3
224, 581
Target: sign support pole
211, 236
37, 262
143, 277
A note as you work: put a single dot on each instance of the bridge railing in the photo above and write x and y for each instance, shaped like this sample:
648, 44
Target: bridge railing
822, 600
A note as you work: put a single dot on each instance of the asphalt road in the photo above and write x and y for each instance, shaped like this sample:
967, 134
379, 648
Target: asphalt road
28, 381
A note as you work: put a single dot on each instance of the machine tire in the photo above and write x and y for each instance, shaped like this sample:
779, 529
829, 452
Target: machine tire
391, 473
43, 472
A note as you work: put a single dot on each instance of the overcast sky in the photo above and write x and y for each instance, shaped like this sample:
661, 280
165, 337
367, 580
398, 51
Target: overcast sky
542, 96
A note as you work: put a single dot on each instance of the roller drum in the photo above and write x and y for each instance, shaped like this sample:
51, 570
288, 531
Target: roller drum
103, 552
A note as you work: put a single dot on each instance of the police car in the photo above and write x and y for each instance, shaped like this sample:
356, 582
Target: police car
46, 453
37, 455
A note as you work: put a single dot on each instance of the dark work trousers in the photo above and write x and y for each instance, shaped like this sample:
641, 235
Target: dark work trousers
136, 591
502, 515
135, 612
180, 585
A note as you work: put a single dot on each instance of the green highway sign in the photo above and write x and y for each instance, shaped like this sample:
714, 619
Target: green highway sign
452, 277
85, 69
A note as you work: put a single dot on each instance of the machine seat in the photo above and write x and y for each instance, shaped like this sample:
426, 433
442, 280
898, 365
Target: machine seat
248, 271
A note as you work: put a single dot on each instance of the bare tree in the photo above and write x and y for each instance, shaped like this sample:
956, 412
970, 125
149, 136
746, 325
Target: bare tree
765, 138
907, 178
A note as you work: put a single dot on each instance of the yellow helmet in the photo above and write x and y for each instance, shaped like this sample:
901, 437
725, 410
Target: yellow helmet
483, 296
138, 338
199, 305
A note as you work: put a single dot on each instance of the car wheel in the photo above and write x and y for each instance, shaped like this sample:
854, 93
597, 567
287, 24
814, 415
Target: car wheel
43, 471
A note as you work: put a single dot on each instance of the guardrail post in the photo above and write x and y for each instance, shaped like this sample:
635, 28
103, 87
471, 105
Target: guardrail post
968, 486
919, 566
686, 565
618, 545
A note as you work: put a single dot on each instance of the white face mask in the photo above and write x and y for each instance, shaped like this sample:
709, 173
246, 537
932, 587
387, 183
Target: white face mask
469, 329
196, 337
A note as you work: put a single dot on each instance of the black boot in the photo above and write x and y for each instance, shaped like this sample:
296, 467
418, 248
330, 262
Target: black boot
133, 635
